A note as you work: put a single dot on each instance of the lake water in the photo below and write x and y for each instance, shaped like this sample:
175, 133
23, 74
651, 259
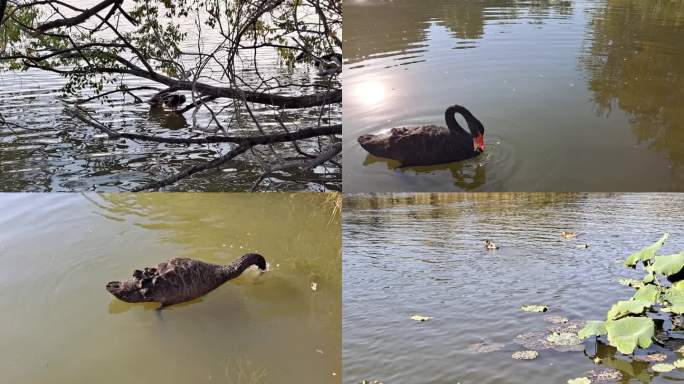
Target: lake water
574, 95
60, 325
53, 151
423, 254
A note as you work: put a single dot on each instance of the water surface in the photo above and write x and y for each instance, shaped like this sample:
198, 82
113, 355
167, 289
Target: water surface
46, 149
423, 254
574, 95
60, 325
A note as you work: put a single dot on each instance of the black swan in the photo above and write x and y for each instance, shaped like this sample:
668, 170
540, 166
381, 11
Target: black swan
178, 280
328, 64
172, 100
429, 144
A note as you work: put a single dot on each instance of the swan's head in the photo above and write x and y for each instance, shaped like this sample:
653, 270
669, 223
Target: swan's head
478, 143
128, 291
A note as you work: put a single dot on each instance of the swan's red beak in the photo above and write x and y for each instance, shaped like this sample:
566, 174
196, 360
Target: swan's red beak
478, 143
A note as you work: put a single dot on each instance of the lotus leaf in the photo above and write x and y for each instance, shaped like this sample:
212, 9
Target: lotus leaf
565, 338
421, 318
648, 293
534, 308
593, 328
627, 307
662, 368
631, 283
631, 332
679, 363
675, 296
579, 380
669, 265
525, 355
647, 253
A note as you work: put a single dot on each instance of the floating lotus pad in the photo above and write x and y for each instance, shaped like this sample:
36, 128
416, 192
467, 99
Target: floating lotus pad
678, 363
563, 339
669, 265
604, 375
421, 318
525, 355
652, 358
593, 328
580, 380
662, 368
648, 293
627, 307
534, 308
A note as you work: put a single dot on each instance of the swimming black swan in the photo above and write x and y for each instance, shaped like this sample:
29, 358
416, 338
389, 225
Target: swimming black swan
429, 144
171, 100
178, 280
328, 64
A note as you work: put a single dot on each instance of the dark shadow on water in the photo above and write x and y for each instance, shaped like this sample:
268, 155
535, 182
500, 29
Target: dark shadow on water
467, 174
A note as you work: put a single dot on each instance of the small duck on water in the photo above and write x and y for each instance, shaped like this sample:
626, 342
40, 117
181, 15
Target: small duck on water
568, 235
490, 246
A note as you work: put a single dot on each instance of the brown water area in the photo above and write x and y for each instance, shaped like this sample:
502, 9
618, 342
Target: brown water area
407, 254
60, 325
574, 95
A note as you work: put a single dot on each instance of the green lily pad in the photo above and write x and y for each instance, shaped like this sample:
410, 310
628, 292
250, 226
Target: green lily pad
678, 363
421, 318
674, 295
669, 265
630, 332
627, 307
525, 355
565, 338
579, 380
604, 374
647, 253
662, 368
648, 293
534, 308
593, 328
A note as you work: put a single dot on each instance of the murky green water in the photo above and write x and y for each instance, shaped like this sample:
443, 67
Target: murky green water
423, 254
60, 325
574, 95
53, 151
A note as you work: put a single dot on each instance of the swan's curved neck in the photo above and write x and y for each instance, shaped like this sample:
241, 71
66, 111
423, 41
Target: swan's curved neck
238, 266
454, 127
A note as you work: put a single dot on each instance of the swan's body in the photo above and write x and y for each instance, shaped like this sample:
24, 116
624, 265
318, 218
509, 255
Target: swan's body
178, 280
429, 144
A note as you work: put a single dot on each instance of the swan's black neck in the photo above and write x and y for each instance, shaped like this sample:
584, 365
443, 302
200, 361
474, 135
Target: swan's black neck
238, 266
474, 125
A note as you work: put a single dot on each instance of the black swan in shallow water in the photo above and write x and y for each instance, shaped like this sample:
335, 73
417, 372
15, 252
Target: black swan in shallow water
178, 280
429, 144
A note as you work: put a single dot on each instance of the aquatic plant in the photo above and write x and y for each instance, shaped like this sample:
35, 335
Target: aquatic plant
659, 297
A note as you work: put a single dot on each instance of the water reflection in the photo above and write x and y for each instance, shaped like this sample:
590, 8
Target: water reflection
403, 26
635, 64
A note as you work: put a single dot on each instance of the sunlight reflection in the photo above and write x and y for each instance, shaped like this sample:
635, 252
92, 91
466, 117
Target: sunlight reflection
369, 93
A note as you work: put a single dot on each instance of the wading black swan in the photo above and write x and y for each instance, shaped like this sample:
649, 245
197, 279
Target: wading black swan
178, 280
429, 144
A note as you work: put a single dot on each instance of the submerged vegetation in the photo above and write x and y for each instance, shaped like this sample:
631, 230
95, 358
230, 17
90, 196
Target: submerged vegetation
654, 312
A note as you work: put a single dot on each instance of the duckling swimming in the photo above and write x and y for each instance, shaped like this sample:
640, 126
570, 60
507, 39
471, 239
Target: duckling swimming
568, 235
490, 246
